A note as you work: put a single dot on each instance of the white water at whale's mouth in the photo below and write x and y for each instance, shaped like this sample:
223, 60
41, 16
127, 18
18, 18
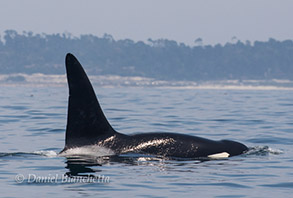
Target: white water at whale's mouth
93, 150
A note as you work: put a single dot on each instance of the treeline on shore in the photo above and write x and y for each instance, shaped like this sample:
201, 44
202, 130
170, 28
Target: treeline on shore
160, 59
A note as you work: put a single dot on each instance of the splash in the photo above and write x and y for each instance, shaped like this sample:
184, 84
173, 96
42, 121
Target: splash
49, 153
96, 151
46, 153
263, 150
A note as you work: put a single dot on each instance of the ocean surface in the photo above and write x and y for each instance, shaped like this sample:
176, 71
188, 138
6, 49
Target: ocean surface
32, 131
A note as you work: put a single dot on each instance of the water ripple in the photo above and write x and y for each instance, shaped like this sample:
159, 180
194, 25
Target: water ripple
260, 119
279, 185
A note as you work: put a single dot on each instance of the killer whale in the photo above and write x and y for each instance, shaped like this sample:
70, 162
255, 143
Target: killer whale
87, 127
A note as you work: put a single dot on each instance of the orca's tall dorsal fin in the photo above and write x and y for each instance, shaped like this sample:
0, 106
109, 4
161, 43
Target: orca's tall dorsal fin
86, 121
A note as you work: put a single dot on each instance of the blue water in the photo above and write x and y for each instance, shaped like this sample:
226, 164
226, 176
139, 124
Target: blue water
32, 127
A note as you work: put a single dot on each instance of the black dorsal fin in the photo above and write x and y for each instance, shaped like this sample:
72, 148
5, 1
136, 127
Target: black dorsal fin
86, 122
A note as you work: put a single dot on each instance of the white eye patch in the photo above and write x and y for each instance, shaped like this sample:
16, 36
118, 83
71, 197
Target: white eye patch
219, 155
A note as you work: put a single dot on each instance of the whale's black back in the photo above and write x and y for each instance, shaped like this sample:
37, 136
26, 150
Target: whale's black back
86, 120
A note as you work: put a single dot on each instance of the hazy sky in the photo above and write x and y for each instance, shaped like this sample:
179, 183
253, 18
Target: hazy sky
215, 21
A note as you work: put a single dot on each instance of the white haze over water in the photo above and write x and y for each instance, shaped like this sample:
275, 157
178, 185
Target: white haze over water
136, 81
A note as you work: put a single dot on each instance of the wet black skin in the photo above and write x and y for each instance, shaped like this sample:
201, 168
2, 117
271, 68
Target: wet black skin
87, 125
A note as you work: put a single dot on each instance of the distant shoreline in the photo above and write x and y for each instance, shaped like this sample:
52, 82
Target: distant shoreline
162, 59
